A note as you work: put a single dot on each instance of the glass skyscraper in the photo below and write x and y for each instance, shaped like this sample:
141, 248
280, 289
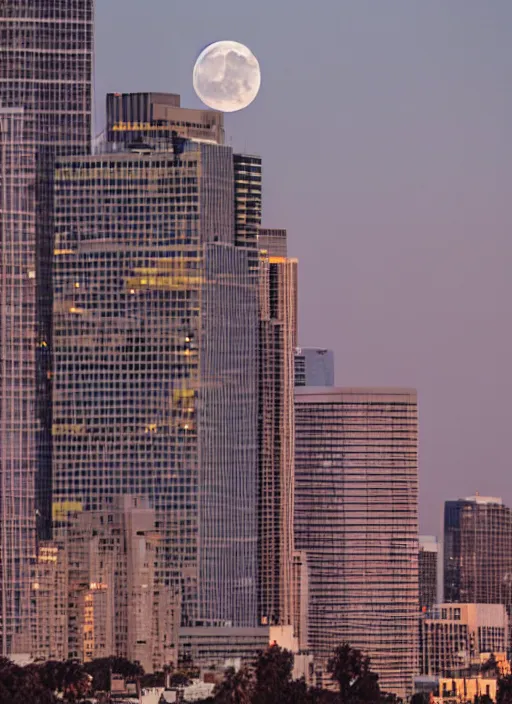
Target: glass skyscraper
356, 517
45, 70
155, 334
477, 551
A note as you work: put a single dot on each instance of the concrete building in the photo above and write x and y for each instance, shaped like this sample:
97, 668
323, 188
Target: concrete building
454, 637
356, 517
50, 598
314, 366
45, 95
96, 593
213, 648
428, 556
116, 605
477, 554
278, 334
451, 690
156, 361
149, 116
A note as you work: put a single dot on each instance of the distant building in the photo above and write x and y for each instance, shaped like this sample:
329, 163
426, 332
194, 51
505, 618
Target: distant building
427, 571
356, 517
314, 366
248, 196
454, 636
273, 241
477, 551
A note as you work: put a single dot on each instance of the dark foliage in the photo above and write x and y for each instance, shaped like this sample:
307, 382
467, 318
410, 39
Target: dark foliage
236, 688
420, 698
20, 685
504, 690
350, 669
273, 670
101, 669
152, 679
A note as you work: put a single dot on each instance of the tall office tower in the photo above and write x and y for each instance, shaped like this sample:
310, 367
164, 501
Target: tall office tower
427, 571
278, 335
156, 362
248, 195
146, 116
356, 516
18, 421
274, 241
46, 69
478, 551
314, 366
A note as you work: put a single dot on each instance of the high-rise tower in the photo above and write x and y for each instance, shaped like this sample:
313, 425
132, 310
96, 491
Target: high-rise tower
356, 516
278, 338
155, 332
477, 551
45, 71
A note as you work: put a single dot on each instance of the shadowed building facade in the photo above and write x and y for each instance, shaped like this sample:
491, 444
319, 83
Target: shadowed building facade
477, 553
427, 571
356, 517
278, 336
155, 324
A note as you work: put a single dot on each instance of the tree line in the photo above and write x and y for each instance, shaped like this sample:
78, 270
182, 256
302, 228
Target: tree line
269, 680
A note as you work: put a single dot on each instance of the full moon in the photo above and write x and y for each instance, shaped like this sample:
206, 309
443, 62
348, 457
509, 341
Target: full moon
227, 76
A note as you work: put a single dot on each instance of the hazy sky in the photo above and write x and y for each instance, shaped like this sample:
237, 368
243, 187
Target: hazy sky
386, 135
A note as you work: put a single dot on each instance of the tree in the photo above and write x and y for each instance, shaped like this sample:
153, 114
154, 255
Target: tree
350, 669
504, 695
102, 668
20, 685
273, 670
420, 698
236, 688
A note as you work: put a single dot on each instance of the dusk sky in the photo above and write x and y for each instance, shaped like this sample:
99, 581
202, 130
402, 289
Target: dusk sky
385, 129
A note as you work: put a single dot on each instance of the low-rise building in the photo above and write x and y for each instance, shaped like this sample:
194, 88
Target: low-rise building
453, 637
97, 591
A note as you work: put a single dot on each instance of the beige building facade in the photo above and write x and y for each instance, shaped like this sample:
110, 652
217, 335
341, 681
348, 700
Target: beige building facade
454, 636
97, 592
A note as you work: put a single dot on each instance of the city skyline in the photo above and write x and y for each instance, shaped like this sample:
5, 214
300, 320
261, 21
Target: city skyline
414, 203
